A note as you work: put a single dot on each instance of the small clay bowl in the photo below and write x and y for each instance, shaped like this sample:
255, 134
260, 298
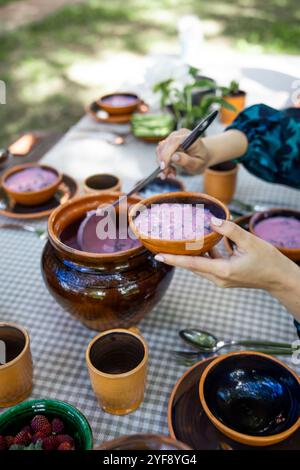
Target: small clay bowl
180, 247
143, 442
76, 425
101, 183
31, 198
251, 397
122, 109
292, 253
159, 186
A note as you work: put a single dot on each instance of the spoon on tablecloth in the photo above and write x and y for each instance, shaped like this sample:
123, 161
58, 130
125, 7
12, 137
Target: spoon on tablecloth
208, 343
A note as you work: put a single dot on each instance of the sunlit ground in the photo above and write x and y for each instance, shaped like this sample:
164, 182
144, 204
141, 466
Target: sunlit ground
54, 67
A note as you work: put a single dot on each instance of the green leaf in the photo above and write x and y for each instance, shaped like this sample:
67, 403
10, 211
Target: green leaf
16, 447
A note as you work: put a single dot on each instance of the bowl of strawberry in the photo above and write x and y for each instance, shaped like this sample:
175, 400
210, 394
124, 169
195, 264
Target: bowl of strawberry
44, 425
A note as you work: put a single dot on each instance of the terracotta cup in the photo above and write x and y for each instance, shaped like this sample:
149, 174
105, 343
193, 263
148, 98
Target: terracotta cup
16, 369
101, 183
220, 181
117, 363
238, 101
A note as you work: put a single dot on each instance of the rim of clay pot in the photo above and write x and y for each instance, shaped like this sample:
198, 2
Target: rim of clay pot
236, 435
114, 186
162, 198
258, 216
236, 95
117, 330
24, 166
111, 445
25, 348
92, 202
174, 391
213, 171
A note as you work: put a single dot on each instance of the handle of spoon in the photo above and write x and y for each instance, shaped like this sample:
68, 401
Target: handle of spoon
264, 343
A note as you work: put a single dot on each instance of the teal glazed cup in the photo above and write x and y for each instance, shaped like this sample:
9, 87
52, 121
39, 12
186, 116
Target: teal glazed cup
76, 425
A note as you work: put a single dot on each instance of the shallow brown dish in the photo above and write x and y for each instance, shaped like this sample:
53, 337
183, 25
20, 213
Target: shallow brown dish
251, 397
67, 189
31, 198
143, 442
181, 247
93, 110
292, 253
151, 139
103, 290
101, 182
188, 422
116, 110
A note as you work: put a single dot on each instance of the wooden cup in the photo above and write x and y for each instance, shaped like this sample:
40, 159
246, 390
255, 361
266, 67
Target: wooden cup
16, 368
117, 363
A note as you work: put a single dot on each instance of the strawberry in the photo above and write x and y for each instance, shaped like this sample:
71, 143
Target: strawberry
62, 438
57, 426
38, 436
41, 423
3, 443
10, 440
50, 443
23, 438
65, 446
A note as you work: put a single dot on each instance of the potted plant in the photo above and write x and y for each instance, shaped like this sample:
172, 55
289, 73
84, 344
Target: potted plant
178, 96
236, 97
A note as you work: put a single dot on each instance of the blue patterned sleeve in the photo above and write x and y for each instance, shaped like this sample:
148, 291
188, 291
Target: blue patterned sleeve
273, 152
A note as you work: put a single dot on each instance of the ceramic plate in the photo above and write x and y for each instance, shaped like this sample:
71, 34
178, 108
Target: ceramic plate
188, 422
65, 191
97, 113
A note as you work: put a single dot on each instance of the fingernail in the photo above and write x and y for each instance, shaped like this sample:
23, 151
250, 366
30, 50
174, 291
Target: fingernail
175, 157
216, 221
159, 258
162, 165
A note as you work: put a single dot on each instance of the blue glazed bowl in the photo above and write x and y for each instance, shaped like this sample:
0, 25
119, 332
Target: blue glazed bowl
251, 397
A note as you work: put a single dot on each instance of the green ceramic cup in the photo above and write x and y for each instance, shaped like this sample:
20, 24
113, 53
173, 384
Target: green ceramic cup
76, 425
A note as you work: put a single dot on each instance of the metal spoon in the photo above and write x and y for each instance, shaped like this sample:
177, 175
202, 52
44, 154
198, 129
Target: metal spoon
42, 234
207, 342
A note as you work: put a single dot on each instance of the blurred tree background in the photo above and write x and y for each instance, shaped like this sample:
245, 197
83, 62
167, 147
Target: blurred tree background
36, 58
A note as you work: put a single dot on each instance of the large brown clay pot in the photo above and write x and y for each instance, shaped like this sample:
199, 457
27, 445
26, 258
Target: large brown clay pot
102, 290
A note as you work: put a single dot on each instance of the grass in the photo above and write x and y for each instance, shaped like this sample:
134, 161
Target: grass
35, 59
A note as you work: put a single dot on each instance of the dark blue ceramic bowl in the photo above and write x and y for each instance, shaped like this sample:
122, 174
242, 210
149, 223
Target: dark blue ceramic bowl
159, 186
251, 397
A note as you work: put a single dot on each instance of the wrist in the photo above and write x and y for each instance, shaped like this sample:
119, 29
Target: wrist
285, 279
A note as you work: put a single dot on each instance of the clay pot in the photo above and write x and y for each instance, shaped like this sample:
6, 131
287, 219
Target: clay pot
220, 181
16, 372
101, 182
31, 198
237, 100
103, 291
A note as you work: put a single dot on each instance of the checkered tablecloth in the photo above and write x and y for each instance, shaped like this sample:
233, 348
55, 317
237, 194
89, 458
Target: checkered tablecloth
59, 341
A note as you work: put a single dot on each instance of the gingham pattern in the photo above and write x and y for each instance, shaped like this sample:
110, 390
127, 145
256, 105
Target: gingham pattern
59, 341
